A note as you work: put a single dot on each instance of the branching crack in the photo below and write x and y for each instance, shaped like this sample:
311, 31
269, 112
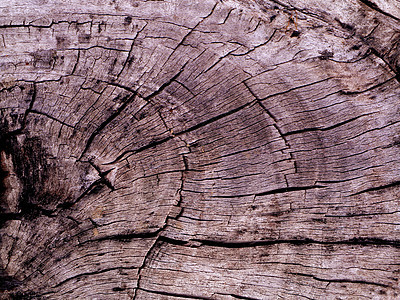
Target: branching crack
44, 26
160, 238
165, 85
259, 102
395, 70
103, 175
255, 47
182, 42
24, 120
128, 60
145, 259
127, 100
201, 124
95, 184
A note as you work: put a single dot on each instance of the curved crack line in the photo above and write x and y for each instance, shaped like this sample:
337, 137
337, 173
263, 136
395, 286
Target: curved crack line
160, 238
127, 100
91, 273
129, 153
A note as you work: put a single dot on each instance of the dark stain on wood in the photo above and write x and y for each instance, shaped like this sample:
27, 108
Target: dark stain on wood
62, 42
355, 47
100, 25
32, 169
3, 175
84, 38
127, 20
112, 66
295, 33
44, 58
7, 282
326, 55
344, 25
97, 189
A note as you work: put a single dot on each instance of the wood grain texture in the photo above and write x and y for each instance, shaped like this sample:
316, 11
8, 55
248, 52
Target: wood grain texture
199, 149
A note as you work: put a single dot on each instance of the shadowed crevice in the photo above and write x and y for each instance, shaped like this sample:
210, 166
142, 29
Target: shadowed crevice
126, 101
273, 192
378, 188
298, 242
185, 296
340, 280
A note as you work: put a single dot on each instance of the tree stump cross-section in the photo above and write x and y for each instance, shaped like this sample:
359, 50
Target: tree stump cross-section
207, 149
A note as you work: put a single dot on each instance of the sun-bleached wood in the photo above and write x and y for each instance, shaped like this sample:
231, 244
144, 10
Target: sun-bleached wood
199, 149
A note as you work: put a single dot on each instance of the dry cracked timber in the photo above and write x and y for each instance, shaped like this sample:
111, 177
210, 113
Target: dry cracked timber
199, 149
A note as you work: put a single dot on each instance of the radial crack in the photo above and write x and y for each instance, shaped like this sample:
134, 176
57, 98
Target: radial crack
128, 100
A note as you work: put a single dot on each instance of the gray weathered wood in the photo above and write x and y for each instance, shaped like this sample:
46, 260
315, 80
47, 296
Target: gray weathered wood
199, 149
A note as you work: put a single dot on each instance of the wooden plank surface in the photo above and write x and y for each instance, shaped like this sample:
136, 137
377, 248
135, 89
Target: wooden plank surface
199, 149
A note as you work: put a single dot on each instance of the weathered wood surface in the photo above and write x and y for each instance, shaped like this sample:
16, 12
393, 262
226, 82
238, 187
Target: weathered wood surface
200, 149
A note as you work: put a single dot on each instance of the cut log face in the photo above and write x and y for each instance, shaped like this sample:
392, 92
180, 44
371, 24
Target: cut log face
199, 149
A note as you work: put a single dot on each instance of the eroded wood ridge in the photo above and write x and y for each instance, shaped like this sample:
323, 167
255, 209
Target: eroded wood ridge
199, 149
